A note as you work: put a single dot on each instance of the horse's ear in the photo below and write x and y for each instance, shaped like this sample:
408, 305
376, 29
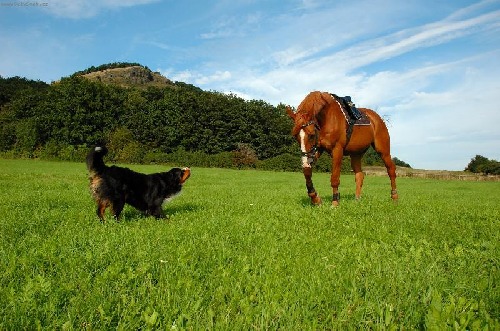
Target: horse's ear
290, 113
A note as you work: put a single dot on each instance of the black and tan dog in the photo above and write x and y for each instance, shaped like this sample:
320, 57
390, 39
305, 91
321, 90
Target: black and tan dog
114, 186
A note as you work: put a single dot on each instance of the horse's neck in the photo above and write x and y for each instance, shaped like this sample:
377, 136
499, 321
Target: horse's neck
331, 117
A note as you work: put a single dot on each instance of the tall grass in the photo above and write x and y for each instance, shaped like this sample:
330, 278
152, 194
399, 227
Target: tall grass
245, 250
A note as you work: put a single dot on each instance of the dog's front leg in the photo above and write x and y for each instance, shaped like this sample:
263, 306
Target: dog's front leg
156, 211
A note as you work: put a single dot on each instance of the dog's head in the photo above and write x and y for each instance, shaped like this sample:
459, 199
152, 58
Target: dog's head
181, 175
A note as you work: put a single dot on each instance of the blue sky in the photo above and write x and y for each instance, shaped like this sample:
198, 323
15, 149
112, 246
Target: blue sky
430, 67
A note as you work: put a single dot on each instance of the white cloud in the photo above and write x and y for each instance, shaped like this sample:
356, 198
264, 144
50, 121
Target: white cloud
199, 79
78, 9
182, 76
215, 77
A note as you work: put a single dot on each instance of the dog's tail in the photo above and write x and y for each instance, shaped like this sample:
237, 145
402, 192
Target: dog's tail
95, 163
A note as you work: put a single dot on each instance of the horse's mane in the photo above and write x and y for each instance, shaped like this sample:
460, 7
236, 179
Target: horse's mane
309, 108
313, 103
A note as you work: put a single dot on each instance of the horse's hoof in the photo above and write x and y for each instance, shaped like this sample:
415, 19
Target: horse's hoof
335, 203
316, 201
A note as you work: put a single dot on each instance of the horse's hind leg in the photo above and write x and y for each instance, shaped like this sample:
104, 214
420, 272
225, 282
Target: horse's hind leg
382, 145
358, 173
391, 171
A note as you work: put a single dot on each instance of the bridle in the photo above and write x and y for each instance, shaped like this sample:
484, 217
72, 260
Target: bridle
314, 149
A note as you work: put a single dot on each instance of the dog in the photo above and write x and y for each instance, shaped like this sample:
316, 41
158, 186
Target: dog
115, 186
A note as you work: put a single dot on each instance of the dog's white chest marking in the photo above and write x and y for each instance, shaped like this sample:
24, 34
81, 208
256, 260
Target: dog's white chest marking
170, 198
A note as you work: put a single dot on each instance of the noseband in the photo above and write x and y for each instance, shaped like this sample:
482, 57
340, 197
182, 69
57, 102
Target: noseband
312, 152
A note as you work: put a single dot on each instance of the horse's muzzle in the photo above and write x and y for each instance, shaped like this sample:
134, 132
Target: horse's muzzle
309, 158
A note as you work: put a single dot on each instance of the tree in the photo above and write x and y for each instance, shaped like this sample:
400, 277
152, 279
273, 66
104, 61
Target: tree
400, 163
477, 163
481, 164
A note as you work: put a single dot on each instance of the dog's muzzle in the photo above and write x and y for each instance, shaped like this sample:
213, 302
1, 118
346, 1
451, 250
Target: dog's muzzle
186, 173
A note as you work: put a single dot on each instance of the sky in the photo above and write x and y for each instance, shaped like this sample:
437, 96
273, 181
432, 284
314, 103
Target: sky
431, 68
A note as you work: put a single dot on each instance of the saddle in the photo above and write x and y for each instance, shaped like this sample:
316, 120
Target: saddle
352, 114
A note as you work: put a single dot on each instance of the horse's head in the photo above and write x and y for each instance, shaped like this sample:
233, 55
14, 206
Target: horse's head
306, 128
306, 131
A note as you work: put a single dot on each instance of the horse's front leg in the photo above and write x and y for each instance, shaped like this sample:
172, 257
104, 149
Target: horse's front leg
315, 199
337, 155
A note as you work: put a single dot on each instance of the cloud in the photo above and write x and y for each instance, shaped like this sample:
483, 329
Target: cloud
195, 77
232, 26
81, 9
401, 42
216, 77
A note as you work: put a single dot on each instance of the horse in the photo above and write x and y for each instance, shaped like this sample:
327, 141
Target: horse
321, 125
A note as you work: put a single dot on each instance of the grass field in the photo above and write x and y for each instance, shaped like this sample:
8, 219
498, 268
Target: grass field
245, 250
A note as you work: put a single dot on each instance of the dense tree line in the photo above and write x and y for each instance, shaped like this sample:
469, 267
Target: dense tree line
10, 88
179, 123
76, 112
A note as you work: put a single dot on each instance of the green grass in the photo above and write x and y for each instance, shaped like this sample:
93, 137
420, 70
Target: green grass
245, 250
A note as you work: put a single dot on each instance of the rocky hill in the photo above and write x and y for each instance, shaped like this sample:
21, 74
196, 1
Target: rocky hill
133, 76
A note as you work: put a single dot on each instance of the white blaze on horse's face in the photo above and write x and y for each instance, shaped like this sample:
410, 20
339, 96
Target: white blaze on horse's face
305, 161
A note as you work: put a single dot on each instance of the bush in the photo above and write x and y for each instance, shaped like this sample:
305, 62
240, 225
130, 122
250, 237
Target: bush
57, 151
290, 162
283, 162
73, 153
181, 157
133, 152
324, 164
244, 156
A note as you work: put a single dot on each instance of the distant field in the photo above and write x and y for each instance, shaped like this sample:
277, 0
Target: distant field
245, 250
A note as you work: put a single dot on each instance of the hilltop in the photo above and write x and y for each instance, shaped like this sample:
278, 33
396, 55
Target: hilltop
126, 75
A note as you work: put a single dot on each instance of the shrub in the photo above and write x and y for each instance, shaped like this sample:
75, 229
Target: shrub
54, 150
283, 162
132, 152
244, 156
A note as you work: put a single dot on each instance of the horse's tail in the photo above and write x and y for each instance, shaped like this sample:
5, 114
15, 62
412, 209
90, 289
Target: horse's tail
95, 162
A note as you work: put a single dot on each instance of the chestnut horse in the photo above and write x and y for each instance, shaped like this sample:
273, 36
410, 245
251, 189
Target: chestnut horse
320, 125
